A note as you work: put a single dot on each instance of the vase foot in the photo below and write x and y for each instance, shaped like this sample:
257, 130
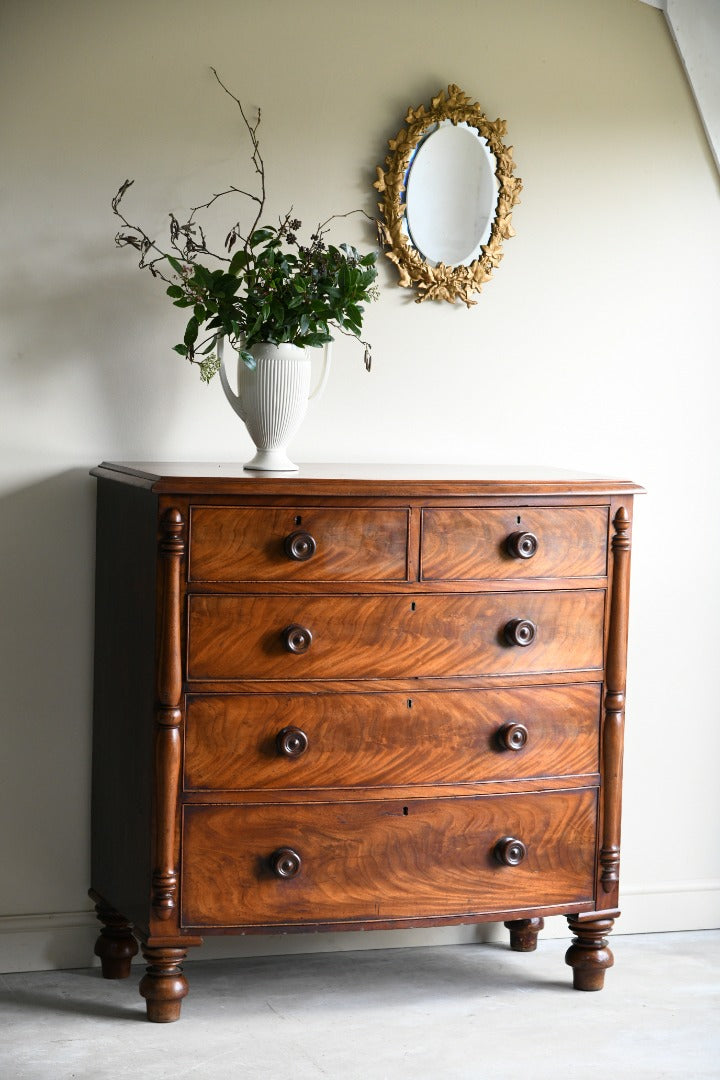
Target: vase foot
271, 461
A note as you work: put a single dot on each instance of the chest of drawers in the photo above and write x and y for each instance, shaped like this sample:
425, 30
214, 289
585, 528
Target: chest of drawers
355, 698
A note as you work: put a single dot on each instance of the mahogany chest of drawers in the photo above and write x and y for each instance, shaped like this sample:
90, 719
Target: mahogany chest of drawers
356, 697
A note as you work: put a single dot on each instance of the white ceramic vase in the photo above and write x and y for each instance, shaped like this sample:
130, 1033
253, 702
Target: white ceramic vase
272, 399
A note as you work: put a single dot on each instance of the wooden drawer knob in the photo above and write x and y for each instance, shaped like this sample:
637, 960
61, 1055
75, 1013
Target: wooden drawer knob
509, 851
291, 742
285, 863
512, 736
297, 639
520, 632
300, 546
521, 545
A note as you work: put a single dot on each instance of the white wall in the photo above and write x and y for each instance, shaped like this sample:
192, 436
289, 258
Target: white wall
594, 348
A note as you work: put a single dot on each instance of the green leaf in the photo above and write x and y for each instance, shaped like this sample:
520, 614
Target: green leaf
174, 290
191, 332
175, 264
182, 349
239, 261
202, 275
248, 359
260, 236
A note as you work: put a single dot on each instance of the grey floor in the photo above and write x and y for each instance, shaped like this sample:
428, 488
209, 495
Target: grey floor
477, 1012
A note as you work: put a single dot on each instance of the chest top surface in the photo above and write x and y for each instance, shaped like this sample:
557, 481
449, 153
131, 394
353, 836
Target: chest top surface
227, 478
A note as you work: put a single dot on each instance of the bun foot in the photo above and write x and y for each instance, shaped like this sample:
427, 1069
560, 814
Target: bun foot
524, 934
116, 945
163, 986
589, 955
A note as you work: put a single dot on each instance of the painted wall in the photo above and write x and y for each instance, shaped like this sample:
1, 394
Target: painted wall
593, 348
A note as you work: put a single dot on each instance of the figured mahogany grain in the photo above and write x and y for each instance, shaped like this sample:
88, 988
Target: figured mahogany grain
241, 637
360, 740
468, 544
378, 860
247, 544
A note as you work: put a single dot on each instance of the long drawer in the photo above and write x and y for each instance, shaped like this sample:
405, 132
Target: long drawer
393, 636
259, 865
300, 741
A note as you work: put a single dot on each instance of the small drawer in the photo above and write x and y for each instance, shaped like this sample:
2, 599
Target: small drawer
301, 741
229, 543
260, 865
394, 636
514, 542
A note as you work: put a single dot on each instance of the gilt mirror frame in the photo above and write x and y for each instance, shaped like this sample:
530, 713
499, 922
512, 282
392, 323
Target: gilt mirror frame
443, 281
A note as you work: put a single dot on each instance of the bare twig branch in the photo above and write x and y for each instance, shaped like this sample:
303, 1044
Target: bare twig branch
138, 238
257, 160
322, 227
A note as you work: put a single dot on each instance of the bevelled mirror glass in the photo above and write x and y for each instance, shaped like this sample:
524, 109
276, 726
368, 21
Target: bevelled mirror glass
448, 191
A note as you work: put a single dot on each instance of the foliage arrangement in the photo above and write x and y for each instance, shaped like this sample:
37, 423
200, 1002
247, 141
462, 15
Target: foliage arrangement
271, 288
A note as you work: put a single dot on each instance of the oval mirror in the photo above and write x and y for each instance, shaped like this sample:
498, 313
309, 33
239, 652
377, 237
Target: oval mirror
448, 192
451, 195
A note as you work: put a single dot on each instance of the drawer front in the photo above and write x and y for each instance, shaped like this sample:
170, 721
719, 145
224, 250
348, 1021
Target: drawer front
297, 544
514, 542
385, 860
247, 637
298, 741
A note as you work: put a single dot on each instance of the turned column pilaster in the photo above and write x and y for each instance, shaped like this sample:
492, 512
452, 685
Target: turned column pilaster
614, 724
168, 715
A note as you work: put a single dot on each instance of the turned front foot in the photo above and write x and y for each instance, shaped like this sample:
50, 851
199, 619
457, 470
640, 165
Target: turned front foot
116, 945
524, 933
163, 985
589, 955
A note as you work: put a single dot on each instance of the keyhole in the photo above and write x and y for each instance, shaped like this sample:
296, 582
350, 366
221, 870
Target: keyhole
298, 519
409, 703
405, 811
412, 606
518, 520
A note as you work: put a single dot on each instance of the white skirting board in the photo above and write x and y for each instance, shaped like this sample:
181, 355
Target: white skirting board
66, 939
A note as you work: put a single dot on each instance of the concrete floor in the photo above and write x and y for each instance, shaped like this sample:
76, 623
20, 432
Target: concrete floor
453, 1013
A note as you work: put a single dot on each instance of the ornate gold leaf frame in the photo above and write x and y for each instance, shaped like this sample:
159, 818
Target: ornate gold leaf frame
444, 282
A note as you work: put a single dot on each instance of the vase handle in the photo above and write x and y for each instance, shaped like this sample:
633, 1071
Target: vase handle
327, 357
232, 397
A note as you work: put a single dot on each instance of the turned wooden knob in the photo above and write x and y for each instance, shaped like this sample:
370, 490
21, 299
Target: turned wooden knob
285, 863
521, 545
512, 736
291, 742
297, 639
520, 632
509, 851
300, 546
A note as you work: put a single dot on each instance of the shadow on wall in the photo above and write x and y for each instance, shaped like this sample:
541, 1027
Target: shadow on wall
47, 559
88, 353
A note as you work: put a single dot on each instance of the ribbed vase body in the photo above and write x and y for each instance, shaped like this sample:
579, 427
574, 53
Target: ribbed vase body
274, 398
